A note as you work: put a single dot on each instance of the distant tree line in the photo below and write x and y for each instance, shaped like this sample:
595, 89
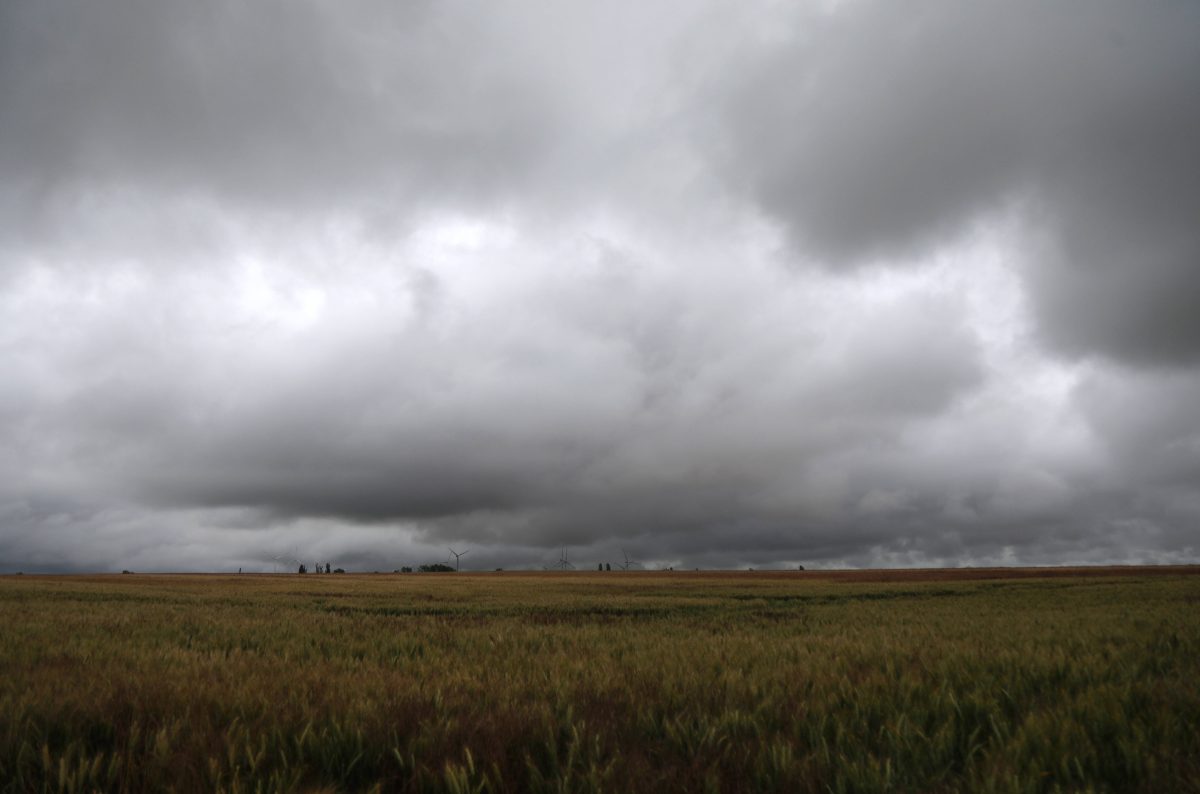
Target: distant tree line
318, 568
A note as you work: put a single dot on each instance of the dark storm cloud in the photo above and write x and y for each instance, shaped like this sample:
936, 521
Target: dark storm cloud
351, 282
881, 131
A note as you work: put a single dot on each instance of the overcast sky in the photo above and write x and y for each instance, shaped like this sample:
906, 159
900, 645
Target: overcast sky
718, 284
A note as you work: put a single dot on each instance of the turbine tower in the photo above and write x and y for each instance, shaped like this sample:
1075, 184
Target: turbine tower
563, 564
628, 562
456, 556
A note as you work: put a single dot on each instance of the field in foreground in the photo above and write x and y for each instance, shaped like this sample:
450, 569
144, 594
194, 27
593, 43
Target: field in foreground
1021, 681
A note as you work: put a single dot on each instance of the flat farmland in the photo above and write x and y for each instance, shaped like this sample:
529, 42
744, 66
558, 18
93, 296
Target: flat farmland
956, 680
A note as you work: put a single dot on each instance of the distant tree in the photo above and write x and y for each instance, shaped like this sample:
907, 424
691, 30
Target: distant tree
608, 566
303, 569
339, 570
437, 567
127, 571
599, 566
799, 567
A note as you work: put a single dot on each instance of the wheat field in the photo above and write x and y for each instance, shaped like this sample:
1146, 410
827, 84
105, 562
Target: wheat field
994, 681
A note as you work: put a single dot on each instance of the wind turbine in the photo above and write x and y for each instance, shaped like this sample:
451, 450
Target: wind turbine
628, 562
563, 564
287, 559
456, 556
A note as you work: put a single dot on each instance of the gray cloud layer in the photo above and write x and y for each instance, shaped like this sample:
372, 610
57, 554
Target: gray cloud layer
274, 102
861, 285
880, 131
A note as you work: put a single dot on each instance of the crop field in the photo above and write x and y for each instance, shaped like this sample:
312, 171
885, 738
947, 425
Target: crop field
1034, 680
